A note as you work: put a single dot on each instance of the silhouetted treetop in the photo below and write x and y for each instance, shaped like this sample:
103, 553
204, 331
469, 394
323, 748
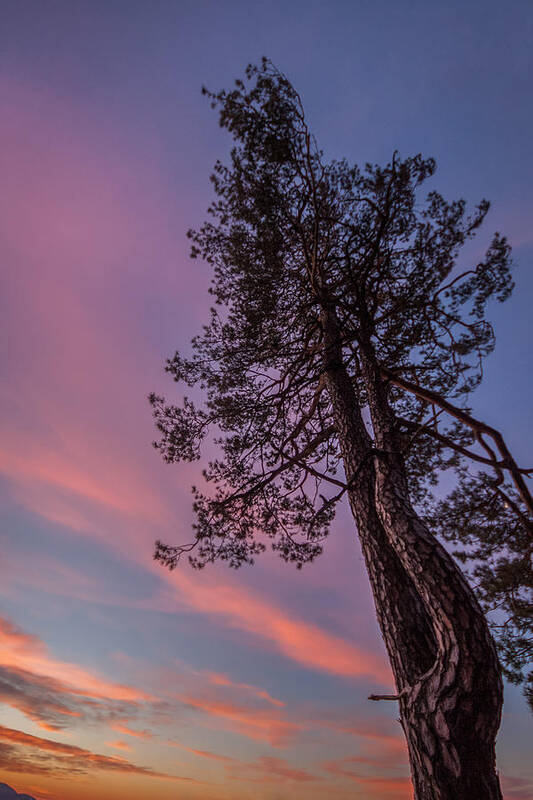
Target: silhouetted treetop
347, 333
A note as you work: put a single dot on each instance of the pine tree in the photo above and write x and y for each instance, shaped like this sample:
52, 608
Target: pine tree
345, 338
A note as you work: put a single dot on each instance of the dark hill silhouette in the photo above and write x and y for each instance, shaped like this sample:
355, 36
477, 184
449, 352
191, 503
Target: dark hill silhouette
7, 793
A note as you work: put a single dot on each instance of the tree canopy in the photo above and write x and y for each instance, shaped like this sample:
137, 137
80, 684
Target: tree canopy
299, 244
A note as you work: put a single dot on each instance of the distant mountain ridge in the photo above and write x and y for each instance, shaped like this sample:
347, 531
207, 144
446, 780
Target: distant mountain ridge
7, 793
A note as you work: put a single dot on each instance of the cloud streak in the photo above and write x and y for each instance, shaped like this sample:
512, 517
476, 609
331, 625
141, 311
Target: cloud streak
55, 694
25, 652
302, 642
263, 770
263, 725
66, 758
217, 679
401, 787
120, 727
267, 769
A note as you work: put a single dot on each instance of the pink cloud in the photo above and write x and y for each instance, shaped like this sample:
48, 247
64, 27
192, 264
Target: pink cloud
73, 221
302, 642
254, 723
55, 472
218, 679
202, 753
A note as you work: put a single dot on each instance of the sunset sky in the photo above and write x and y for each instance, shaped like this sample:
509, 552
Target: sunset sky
119, 680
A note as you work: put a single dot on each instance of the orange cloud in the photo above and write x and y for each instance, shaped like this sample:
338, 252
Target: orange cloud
22, 651
302, 642
201, 753
119, 745
261, 725
45, 725
43, 792
121, 728
218, 679
66, 712
76, 759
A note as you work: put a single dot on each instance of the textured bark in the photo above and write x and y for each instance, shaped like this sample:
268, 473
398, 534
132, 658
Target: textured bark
451, 715
401, 615
441, 651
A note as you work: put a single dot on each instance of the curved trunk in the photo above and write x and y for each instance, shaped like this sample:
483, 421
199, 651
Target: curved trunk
402, 618
441, 651
452, 713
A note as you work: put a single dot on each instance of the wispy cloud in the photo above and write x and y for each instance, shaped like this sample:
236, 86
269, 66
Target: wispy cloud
517, 788
202, 753
373, 732
399, 785
223, 680
118, 745
24, 651
269, 769
65, 758
262, 770
302, 642
265, 725
54, 693
239, 607
120, 727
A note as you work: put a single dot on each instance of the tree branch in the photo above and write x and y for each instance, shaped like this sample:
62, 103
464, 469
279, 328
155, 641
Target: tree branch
447, 442
476, 425
243, 494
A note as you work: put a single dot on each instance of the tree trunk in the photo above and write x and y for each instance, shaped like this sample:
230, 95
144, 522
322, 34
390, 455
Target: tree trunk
442, 654
451, 715
401, 615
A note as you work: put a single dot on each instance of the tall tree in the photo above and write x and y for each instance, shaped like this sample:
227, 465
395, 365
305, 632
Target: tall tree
345, 331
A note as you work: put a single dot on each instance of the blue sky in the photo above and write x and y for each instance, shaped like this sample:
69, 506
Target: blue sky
217, 682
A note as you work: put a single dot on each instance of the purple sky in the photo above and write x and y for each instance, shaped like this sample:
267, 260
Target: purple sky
117, 679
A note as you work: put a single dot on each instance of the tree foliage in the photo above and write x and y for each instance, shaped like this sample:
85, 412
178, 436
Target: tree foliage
289, 237
485, 523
